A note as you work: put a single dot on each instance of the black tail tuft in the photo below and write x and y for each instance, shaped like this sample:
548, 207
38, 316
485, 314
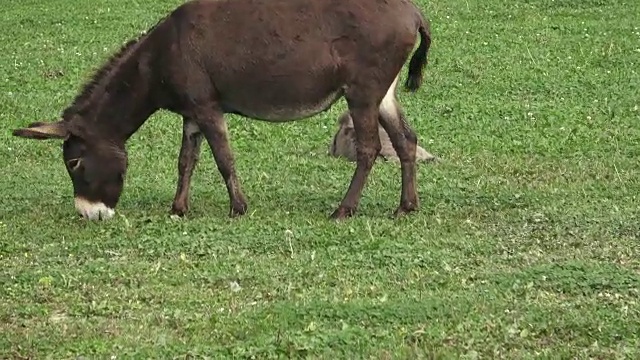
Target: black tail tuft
419, 58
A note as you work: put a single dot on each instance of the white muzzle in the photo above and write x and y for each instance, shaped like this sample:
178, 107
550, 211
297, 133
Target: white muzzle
93, 210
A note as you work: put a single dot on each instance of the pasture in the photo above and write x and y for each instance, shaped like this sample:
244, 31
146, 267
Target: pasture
525, 245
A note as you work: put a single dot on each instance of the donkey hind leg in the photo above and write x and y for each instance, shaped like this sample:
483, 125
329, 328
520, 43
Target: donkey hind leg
404, 141
214, 128
189, 154
365, 123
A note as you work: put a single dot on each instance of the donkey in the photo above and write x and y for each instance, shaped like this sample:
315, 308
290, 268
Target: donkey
344, 143
268, 60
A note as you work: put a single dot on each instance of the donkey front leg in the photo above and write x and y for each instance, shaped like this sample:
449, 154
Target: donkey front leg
189, 154
365, 123
214, 129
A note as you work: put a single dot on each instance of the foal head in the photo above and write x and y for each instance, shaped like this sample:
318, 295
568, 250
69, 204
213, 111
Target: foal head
97, 166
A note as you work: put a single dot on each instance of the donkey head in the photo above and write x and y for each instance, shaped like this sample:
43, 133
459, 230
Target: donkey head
97, 167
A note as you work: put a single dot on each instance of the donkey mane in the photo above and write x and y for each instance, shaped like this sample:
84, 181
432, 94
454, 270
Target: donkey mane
101, 73
94, 81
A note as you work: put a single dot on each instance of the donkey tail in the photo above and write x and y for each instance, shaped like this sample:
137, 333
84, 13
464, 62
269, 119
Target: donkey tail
419, 58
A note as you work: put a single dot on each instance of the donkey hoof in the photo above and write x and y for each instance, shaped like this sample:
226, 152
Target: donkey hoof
404, 210
342, 213
238, 210
178, 211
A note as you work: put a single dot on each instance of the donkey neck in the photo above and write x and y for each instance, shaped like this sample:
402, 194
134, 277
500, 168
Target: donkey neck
122, 94
128, 100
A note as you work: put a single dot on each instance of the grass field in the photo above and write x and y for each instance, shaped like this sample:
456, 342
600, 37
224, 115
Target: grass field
526, 244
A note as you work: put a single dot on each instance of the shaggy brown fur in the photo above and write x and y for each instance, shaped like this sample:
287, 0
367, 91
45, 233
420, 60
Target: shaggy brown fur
270, 60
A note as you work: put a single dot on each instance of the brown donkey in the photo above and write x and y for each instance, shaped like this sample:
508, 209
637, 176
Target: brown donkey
270, 60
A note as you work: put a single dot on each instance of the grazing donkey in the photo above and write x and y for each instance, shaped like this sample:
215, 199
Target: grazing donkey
344, 143
270, 60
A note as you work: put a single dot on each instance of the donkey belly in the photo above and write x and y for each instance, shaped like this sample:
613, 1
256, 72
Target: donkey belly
260, 108
280, 98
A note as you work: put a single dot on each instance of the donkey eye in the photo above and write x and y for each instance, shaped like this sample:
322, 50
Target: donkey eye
73, 164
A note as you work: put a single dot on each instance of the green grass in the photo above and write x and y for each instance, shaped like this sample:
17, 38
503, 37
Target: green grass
526, 244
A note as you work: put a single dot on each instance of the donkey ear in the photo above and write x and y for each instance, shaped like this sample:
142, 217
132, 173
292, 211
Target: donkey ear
345, 120
43, 131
